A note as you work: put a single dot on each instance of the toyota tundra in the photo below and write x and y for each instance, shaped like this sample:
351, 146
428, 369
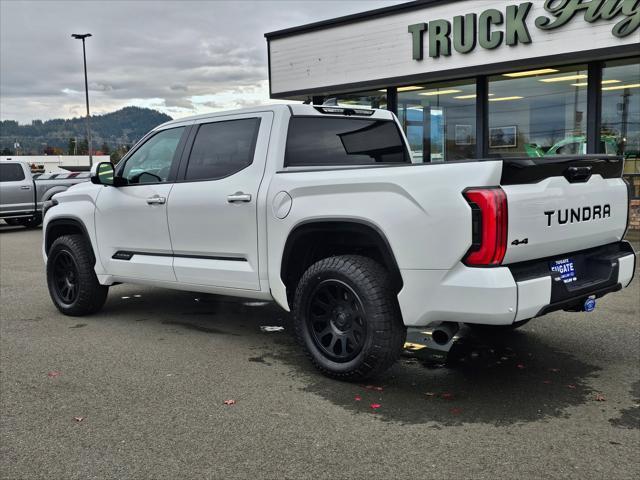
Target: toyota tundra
323, 210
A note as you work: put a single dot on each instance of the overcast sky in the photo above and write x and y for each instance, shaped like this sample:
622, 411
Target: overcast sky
179, 57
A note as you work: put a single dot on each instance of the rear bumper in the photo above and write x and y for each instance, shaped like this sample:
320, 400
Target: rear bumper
503, 295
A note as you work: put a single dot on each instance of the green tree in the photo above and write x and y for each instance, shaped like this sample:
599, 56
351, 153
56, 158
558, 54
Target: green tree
83, 147
115, 157
71, 146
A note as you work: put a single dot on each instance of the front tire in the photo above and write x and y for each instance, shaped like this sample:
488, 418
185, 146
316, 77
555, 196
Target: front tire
347, 317
72, 281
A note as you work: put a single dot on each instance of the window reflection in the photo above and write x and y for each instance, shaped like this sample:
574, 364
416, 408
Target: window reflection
538, 113
370, 99
620, 122
439, 120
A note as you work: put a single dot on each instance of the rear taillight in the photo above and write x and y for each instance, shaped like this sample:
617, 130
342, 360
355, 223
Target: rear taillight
489, 226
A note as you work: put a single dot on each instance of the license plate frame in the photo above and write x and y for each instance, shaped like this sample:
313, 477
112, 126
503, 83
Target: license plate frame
566, 268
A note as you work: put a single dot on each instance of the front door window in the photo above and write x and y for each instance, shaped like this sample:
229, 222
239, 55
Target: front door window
151, 162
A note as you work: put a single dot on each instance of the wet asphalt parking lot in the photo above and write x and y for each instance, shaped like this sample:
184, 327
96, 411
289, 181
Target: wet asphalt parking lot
148, 377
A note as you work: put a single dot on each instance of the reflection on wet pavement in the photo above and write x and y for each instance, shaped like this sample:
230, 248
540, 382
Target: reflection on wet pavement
492, 378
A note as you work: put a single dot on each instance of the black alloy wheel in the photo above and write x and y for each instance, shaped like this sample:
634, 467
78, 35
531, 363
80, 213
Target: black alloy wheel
336, 319
65, 277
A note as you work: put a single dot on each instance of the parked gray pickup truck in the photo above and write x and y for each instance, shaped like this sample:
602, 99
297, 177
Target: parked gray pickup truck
22, 195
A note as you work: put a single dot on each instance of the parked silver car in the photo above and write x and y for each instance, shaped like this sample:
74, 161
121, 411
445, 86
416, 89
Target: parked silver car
22, 195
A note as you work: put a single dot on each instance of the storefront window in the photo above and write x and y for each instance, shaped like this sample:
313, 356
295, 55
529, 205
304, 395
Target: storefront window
538, 113
620, 122
370, 99
439, 120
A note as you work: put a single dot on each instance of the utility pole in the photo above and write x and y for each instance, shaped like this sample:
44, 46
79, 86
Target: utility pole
82, 36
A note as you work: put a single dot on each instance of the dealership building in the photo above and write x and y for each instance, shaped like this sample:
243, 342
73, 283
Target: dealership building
479, 78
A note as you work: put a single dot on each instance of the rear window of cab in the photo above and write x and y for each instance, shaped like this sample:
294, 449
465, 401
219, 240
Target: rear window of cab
322, 141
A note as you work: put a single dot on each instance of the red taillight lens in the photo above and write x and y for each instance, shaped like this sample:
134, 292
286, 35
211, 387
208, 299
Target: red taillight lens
489, 207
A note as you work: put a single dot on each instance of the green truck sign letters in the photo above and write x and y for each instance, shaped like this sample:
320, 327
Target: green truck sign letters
467, 31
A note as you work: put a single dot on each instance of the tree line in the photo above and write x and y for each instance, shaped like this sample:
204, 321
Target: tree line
112, 134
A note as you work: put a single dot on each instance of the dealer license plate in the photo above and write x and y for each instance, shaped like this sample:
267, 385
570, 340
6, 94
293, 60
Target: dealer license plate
566, 268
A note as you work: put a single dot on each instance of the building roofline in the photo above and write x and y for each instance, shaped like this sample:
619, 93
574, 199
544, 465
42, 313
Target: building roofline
355, 17
568, 58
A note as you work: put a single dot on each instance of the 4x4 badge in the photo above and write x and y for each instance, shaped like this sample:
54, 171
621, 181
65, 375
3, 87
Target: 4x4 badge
520, 242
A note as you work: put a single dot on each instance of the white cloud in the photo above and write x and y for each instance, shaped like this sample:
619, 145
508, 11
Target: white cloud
181, 58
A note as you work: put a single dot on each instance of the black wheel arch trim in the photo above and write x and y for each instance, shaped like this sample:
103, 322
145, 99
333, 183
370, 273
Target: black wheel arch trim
354, 224
64, 221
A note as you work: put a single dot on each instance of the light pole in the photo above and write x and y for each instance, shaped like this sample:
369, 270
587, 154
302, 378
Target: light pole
82, 36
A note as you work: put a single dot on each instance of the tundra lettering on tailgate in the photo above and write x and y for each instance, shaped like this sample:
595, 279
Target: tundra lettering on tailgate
580, 214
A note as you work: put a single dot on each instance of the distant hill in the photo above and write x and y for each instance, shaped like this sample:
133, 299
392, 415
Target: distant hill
117, 129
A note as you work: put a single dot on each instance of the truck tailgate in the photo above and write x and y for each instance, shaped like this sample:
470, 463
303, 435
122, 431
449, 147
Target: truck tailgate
564, 204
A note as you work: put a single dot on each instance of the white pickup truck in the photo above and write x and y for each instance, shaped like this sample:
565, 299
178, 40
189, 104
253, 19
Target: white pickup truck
322, 210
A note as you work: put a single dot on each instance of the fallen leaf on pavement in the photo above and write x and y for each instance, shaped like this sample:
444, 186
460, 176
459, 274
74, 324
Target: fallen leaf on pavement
600, 397
375, 406
78, 419
571, 386
379, 389
54, 373
229, 402
430, 394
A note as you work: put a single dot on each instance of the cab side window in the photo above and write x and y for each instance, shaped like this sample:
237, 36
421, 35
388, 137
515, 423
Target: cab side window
222, 148
151, 162
11, 172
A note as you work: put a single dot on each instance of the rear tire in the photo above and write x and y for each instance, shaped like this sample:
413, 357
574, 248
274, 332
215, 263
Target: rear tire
72, 281
347, 317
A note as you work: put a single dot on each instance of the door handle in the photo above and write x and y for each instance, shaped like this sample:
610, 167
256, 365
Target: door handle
156, 200
25, 187
239, 197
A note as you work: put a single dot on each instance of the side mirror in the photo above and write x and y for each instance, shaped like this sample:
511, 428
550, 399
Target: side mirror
102, 173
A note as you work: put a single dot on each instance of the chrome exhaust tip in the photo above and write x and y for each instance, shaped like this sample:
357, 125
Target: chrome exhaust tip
438, 336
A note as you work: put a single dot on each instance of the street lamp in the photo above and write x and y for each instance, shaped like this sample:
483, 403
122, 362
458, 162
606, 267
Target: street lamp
82, 36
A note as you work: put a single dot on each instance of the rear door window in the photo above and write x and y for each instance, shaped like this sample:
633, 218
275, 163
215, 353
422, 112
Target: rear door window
11, 172
343, 141
222, 148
